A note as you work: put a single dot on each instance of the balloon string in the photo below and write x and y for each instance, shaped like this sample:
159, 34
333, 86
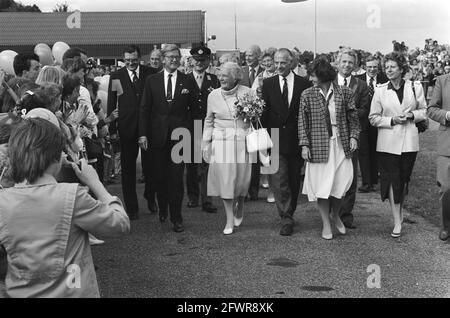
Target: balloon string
10, 91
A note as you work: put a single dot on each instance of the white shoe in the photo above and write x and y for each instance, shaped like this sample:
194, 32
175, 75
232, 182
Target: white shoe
95, 241
228, 231
271, 199
327, 236
237, 221
265, 186
339, 225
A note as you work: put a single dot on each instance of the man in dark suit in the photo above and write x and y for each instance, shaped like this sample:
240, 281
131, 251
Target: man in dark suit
368, 137
347, 59
439, 111
203, 84
282, 97
130, 79
250, 73
166, 106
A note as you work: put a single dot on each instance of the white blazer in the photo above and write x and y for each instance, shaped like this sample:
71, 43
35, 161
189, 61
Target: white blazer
385, 105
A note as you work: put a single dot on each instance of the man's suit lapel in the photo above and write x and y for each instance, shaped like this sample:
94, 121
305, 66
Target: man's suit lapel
354, 84
126, 81
178, 85
206, 83
296, 88
161, 87
260, 70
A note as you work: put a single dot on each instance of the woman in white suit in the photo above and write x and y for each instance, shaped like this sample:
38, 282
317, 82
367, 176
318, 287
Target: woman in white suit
396, 108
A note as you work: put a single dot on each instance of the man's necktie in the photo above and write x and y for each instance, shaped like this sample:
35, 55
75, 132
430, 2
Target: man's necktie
345, 82
169, 88
252, 76
198, 78
371, 87
285, 92
135, 77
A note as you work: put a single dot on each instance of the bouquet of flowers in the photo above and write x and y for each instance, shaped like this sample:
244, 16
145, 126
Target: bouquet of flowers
249, 107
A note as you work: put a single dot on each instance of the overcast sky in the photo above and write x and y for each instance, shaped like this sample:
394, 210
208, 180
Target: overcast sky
364, 24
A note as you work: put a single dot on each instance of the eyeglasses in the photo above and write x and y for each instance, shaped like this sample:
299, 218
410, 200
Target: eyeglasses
173, 57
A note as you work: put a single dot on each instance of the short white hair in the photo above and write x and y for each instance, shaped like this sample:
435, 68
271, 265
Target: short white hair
170, 48
254, 49
232, 69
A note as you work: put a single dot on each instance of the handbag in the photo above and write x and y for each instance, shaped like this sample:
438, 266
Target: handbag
423, 124
258, 139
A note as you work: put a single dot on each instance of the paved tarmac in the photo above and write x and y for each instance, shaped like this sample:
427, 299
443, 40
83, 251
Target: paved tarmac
255, 261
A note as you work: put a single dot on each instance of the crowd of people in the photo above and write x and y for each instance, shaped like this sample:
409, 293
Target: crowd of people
66, 125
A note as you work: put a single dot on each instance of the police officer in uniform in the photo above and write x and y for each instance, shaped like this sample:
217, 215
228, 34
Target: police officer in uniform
197, 173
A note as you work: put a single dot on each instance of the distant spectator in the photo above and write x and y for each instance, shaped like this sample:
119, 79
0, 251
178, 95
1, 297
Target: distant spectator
75, 52
155, 60
27, 65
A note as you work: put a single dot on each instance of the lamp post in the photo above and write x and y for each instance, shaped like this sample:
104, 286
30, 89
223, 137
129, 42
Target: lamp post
315, 20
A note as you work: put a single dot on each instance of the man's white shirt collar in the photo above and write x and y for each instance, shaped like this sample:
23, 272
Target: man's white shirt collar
130, 73
368, 79
341, 79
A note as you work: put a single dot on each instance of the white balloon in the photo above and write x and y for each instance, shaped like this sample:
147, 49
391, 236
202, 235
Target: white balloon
42, 45
7, 61
58, 50
103, 96
45, 54
104, 83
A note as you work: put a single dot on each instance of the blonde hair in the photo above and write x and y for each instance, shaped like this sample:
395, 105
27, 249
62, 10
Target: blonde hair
50, 74
349, 52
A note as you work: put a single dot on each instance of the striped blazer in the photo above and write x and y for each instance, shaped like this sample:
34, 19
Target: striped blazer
312, 122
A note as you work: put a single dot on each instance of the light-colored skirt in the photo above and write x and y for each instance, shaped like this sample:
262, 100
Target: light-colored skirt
230, 169
329, 179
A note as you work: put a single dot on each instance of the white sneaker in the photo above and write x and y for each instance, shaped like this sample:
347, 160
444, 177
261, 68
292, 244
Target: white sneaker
95, 241
271, 199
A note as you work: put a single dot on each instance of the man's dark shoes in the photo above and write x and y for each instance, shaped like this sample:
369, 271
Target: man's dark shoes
152, 206
365, 188
349, 225
162, 217
178, 227
444, 235
133, 216
209, 207
192, 204
287, 230
141, 179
